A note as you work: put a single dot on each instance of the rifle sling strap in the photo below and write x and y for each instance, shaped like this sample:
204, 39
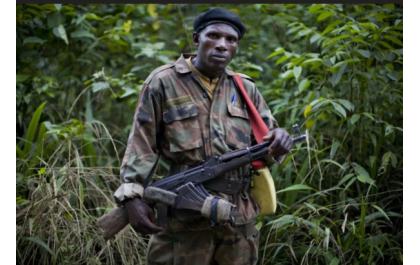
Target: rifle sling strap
258, 126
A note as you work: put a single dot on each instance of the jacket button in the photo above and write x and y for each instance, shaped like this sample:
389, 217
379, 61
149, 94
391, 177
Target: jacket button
205, 95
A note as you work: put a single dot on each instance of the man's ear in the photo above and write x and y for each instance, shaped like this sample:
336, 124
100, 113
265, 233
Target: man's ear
196, 36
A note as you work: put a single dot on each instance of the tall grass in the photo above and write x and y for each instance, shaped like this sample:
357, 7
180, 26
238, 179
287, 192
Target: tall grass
60, 197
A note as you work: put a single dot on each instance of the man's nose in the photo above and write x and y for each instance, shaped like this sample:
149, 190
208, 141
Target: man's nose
221, 44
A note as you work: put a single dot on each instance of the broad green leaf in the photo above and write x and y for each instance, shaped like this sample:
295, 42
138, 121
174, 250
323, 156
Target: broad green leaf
82, 34
386, 45
335, 79
365, 53
355, 27
386, 157
304, 32
364, 179
331, 26
310, 61
33, 125
361, 179
314, 8
60, 32
354, 118
296, 187
33, 40
310, 206
393, 39
334, 148
93, 16
335, 261
307, 110
373, 138
151, 9
347, 104
99, 86
282, 59
394, 76
339, 64
58, 7
394, 160
340, 109
297, 70
287, 74
316, 101
350, 183
21, 78
359, 39
369, 115
360, 170
314, 38
276, 53
309, 124
303, 84
345, 36
325, 15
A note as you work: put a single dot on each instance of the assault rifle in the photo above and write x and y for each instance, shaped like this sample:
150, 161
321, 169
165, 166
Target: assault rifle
185, 190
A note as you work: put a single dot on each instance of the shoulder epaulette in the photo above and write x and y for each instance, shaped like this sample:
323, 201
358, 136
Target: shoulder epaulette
246, 77
156, 71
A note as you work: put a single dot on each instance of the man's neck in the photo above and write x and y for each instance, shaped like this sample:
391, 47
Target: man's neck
207, 73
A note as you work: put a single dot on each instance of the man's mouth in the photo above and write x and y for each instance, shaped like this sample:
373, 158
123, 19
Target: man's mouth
219, 56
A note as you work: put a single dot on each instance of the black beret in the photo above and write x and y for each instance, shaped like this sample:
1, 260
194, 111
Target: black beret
219, 15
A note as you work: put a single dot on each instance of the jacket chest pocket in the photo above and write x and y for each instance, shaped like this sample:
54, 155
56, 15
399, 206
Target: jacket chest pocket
181, 124
238, 127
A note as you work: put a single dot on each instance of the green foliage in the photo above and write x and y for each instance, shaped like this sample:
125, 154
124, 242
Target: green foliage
334, 69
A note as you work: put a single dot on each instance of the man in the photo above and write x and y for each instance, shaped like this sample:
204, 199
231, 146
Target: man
189, 111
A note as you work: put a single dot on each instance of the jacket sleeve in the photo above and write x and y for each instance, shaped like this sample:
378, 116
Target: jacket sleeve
268, 119
142, 153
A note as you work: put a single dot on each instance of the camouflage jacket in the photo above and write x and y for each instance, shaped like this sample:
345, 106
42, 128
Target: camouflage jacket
177, 120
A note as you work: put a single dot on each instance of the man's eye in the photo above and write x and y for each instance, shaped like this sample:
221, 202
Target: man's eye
213, 35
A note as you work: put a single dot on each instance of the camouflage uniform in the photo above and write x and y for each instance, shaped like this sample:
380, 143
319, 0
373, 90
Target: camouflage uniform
176, 119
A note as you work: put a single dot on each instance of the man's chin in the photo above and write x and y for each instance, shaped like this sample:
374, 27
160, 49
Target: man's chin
218, 66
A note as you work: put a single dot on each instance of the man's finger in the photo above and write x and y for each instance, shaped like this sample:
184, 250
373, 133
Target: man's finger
276, 144
268, 136
151, 226
151, 215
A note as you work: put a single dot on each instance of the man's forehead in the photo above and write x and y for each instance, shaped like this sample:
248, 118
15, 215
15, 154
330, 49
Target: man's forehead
221, 27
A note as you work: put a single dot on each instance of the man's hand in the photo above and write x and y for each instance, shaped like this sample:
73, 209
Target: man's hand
280, 142
141, 216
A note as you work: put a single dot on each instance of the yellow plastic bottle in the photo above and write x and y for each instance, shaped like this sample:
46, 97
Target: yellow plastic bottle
263, 189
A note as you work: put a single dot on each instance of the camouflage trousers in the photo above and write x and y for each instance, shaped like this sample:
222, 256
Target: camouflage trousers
219, 245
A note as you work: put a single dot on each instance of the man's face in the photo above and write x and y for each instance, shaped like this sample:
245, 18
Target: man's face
217, 45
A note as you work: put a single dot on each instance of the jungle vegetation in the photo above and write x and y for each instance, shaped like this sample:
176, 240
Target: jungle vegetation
334, 69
